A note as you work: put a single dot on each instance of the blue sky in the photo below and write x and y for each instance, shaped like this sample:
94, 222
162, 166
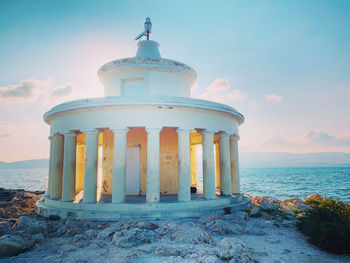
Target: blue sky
284, 64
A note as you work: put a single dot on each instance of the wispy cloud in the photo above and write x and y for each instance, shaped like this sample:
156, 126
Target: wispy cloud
220, 91
313, 136
32, 89
274, 98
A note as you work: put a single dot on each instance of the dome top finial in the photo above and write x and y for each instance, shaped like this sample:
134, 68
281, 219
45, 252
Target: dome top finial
147, 31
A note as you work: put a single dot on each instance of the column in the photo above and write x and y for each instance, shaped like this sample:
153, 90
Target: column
153, 178
48, 191
69, 166
90, 170
57, 166
184, 167
208, 164
119, 165
234, 164
225, 167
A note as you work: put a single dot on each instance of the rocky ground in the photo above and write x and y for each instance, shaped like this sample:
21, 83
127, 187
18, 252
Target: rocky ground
263, 233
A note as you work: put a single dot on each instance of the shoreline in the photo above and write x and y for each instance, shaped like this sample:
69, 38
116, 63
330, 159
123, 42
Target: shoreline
266, 232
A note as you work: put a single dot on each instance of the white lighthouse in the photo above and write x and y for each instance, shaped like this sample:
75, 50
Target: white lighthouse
133, 152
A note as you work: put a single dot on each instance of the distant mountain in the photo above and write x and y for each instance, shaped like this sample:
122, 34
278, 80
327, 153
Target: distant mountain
28, 164
247, 160
275, 159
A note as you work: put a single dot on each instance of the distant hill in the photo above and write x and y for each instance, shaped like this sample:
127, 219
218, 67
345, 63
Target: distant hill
274, 159
28, 164
247, 160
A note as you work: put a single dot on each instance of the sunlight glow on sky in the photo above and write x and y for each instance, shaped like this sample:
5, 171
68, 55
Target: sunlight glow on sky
284, 64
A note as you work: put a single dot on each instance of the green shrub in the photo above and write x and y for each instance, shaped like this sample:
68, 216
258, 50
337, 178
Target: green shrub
327, 225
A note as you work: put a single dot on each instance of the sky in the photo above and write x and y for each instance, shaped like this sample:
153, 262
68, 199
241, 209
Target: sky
284, 64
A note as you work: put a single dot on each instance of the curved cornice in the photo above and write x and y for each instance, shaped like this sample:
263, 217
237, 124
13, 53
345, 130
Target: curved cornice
119, 101
146, 63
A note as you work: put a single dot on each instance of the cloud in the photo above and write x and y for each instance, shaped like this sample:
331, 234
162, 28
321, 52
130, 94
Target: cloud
32, 89
274, 98
62, 92
220, 91
313, 136
276, 140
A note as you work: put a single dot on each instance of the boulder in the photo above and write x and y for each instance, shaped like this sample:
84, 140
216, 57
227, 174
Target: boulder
12, 245
191, 234
5, 228
166, 228
234, 250
315, 197
75, 227
294, 204
239, 217
167, 250
146, 225
255, 211
32, 225
129, 238
108, 232
266, 202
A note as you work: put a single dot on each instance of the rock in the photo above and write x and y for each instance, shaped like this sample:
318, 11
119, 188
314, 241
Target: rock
315, 197
206, 219
61, 230
90, 234
220, 227
294, 204
146, 225
32, 225
234, 250
191, 234
166, 228
167, 250
256, 211
174, 259
266, 216
5, 228
12, 245
266, 202
108, 232
132, 237
131, 257
80, 241
74, 227
239, 217
38, 238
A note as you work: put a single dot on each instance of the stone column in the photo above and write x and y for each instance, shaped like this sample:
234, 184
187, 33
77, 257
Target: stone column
57, 166
184, 170
234, 164
225, 167
48, 191
153, 177
119, 165
209, 188
69, 166
90, 170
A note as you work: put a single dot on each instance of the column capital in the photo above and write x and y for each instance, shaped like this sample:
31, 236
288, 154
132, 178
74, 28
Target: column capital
70, 133
56, 134
235, 136
220, 133
91, 130
119, 129
178, 130
50, 138
148, 129
206, 131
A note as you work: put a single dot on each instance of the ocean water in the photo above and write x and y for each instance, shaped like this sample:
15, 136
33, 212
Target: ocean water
282, 183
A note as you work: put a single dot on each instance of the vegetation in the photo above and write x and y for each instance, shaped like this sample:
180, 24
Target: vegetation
327, 225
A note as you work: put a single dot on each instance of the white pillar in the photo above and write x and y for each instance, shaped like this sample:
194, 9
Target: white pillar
153, 178
90, 171
234, 164
225, 167
119, 165
209, 187
184, 167
48, 191
69, 166
57, 166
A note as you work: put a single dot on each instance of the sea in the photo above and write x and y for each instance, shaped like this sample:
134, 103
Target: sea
281, 182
